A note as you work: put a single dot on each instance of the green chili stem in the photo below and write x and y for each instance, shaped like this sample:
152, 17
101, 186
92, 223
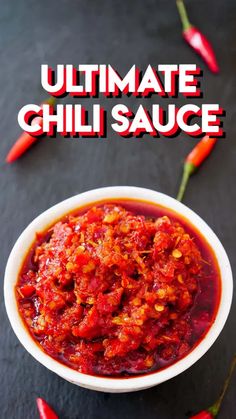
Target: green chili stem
214, 409
189, 169
183, 15
50, 101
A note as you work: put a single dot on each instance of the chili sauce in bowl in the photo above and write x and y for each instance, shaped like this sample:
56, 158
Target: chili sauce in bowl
119, 288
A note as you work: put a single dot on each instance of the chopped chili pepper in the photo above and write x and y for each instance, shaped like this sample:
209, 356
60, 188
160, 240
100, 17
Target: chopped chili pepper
196, 39
213, 411
194, 159
27, 290
45, 411
25, 140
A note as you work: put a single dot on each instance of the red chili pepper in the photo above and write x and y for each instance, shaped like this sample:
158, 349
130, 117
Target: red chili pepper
25, 140
203, 415
196, 39
45, 411
194, 159
213, 411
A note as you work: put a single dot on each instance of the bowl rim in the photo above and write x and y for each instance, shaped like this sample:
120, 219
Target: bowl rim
57, 211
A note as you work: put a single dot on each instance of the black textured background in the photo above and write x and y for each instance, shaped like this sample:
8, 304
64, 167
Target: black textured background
120, 33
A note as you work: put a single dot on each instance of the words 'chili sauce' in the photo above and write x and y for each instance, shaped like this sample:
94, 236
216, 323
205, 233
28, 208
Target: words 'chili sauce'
119, 289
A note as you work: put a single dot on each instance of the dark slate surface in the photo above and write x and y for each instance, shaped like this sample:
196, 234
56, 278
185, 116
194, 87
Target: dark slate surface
120, 33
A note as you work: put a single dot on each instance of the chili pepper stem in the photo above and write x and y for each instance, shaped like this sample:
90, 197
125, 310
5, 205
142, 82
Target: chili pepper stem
189, 169
214, 409
50, 101
183, 15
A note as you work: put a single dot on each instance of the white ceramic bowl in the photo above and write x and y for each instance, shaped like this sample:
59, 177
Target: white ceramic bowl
100, 383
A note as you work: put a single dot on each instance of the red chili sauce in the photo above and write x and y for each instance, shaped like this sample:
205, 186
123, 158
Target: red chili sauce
119, 289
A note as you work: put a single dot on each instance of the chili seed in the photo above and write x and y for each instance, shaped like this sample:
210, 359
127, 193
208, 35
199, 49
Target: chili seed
176, 253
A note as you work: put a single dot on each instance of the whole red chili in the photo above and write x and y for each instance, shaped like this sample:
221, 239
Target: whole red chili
194, 159
25, 140
213, 411
196, 39
45, 411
